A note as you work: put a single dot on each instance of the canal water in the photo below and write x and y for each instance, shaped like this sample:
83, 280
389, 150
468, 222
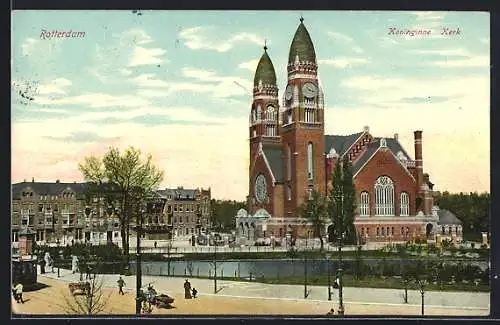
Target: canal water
268, 268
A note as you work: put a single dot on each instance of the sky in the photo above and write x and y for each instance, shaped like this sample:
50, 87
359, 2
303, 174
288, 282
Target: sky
177, 84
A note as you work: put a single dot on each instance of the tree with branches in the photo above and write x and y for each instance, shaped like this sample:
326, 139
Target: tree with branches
313, 211
130, 178
91, 301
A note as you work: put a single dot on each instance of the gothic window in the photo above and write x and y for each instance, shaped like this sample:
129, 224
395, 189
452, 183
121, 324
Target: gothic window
310, 161
270, 113
310, 116
289, 116
288, 163
271, 130
259, 111
364, 204
384, 196
404, 204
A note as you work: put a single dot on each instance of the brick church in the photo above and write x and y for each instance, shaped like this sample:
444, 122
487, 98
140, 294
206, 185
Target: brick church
290, 155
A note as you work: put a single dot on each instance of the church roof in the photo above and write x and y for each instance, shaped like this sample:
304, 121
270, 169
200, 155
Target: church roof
391, 143
265, 70
366, 155
446, 217
340, 142
274, 156
302, 45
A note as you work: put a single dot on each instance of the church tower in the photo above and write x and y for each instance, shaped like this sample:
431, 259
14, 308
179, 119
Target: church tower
302, 130
264, 112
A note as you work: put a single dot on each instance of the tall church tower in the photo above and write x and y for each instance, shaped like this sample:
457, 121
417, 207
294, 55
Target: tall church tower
264, 113
302, 130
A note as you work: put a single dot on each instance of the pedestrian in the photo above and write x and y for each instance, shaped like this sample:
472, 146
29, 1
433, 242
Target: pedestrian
194, 292
187, 290
330, 313
121, 283
18, 292
156, 244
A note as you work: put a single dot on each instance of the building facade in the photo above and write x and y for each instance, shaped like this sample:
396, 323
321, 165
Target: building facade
290, 155
66, 213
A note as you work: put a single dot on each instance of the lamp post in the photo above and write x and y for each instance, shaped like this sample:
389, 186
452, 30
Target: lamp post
305, 273
138, 272
340, 238
422, 293
328, 257
215, 265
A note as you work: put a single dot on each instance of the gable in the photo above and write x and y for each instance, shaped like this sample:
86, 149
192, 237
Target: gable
381, 161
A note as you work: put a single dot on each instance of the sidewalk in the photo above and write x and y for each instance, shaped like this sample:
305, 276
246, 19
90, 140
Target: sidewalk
363, 296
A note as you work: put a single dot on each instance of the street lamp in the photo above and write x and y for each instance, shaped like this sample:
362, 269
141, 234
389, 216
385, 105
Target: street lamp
138, 272
422, 292
328, 257
341, 284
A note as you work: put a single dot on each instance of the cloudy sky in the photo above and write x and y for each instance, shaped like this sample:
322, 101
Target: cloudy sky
177, 85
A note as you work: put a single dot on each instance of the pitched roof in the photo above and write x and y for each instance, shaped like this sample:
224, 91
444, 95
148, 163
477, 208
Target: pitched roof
179, 193
340, 142
302, 46
265, 71
391, 143
274, 155
365, 155
446, 217
45, 188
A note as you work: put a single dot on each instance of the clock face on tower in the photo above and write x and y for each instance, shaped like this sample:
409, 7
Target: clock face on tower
309, 90
288, 92
260, 188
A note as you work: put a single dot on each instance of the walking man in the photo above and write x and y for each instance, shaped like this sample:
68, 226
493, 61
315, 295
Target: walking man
121, 283
18, 292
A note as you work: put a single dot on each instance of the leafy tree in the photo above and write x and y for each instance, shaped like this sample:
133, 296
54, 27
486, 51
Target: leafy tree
224, 211
473, 209
313, 210
131, 180
342, 202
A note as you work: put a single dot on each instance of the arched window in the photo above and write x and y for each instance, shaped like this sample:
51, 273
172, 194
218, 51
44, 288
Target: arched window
288, 163
270, 113
310, 161
384, 196
404, 204
378, 231
364, 204
289, 193
254, 116
259, 111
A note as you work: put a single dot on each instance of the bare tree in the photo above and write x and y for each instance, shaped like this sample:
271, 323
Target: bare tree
92, 301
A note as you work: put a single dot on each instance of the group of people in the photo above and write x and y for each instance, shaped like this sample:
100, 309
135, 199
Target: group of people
188, 291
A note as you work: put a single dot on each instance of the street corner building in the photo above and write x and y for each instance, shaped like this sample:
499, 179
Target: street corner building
290, 155
68, 213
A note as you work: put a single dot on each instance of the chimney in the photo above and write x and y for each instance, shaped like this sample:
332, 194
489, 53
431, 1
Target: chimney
418, 159
366, 128
396, 136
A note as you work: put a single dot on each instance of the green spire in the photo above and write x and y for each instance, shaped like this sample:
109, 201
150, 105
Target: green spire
302, 45
265, 70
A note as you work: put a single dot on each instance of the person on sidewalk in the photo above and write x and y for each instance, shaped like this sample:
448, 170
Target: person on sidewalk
18, 292
121, 283
187, 290
194, 292
330, 313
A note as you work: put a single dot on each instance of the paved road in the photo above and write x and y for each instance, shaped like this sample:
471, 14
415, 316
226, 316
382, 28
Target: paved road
369, 296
